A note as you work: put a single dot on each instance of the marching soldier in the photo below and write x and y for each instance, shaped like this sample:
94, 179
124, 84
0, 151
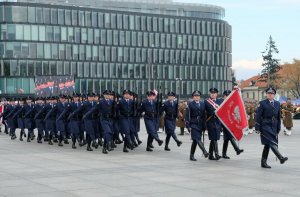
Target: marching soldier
125, 109
28, 118
39, 119
228, 137
135, 120
19, 114
170, 108
50, 120
195, 120
213, 123
268, 123
149, 106
288, 117
61, 124
12, 123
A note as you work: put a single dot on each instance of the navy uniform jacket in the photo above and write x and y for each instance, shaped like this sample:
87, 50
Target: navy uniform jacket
125, 112
28, 116
50, 118
214, 125
171, 113
8, 114
150, 117
19, 114
267, 121
195, 118
60, 118
39, 111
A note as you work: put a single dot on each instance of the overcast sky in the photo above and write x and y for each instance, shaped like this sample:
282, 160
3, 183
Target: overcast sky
252, 23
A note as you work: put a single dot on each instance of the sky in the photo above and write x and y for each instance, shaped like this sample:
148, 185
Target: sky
252, 23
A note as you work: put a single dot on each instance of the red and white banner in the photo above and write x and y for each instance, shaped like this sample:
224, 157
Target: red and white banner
232, 114
1, 111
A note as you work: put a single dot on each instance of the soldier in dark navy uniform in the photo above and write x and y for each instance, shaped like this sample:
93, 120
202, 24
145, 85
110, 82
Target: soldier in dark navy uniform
28, 118
11, 119
125, 117
195, 120
149, 106
135, 120
228, 137
19, 115
50, 120
214, 125
39, 116
75, 122
268, 124
62, 108
170, 108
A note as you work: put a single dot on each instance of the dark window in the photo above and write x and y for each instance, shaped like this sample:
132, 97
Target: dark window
8, 14
47, 16
61, 16
68, 17
39, 15
31, 14
74, 17
53, 16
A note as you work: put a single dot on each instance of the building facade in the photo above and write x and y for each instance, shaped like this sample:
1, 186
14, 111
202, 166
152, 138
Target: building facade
116, 45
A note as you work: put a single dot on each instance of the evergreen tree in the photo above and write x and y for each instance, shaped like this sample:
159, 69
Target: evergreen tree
270, 65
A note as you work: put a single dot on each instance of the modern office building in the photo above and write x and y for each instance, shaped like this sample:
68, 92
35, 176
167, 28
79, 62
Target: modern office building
133, 44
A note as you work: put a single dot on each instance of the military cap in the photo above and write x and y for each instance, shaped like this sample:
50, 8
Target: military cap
126, 92
271, 90
213, 90
171, 94
226, 92
106, 92
150, 93
76, 94
196, 93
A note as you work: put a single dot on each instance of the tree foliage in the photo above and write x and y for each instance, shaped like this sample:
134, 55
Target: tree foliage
290, 80
270, 64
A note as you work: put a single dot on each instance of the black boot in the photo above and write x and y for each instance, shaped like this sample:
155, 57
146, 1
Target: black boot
104, 148
216, 149
100, 142
159, 141
211, 151
125, 150
278, 155
167, 143
50, 141
138, 140
193, 149
224, 150
66, 141
21, 136
28, 138
60, 143
181, 131
235, 146
201, 146
264, 157
73, 145
95, 145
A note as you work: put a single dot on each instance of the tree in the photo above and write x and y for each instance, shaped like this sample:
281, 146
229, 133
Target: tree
270, 65
290, 80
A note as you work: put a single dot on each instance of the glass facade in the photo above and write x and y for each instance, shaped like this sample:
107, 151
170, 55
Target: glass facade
112, 49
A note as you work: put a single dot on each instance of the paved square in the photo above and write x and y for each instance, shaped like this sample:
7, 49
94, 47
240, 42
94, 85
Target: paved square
31, 169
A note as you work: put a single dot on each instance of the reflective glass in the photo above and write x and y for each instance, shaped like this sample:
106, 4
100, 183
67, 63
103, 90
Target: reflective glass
53, 16
68, 17
31, 14
47, 15
61, 16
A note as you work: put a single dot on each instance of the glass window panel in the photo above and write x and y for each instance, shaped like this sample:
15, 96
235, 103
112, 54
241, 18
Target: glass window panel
47, 48
70, 34
119, 21
88, 19
62, 51
53, 68
63, 34
109, 37
54, 51
19, 14
49, 33
53, 16
74, 17
31, 14
82, 52
46, 68
90, 36
67, 68
42, 33
99, 69
34, 32
88, 52
57, 34
1, 13
68, 17
33, 52
39, 15
77, 35
38, 68
83, 35
131, 22
8, 13
40, 50
23, 68
94, 19
59, 68
101, 53
95, 53
100, 19
11, 32
103, 37
73, 68
14, 68
93, 72
125, 21
96, 36
61, 16
47, 15
24, 50
116, 37
19, 32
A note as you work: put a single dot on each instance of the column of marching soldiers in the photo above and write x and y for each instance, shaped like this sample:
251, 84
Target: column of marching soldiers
92, 121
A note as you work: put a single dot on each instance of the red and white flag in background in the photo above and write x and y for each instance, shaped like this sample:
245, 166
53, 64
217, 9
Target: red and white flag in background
232, 114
